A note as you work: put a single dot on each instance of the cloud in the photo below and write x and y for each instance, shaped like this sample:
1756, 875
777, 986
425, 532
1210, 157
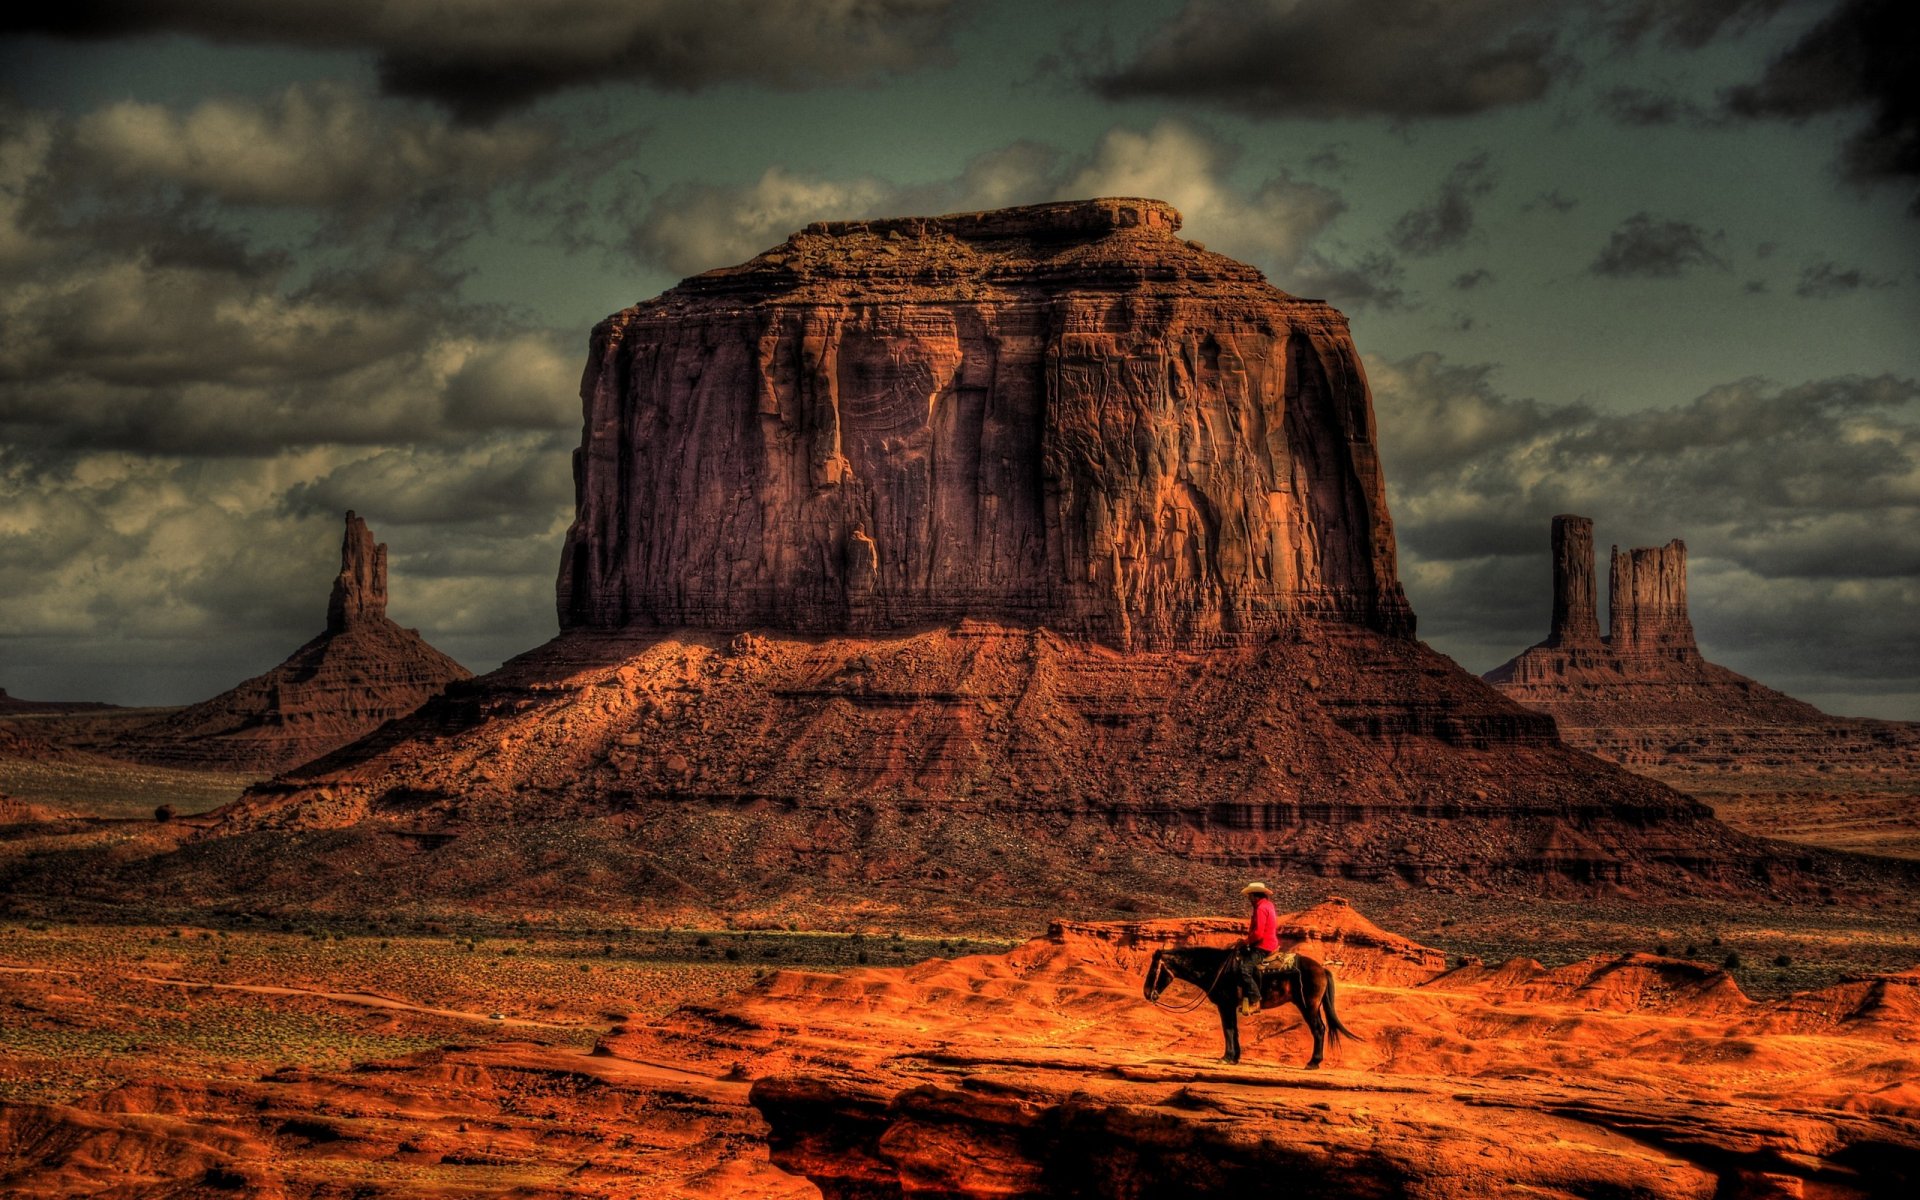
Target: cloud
1553, 200
1445, 221
1798, 505
1466, 281
1655, 248
1278, 223
185, 411
1826, 280
1861, 59
312, 145
1345, 58
1645, 107
491, 56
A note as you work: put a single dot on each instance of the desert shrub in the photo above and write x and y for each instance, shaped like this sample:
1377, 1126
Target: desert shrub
1732, 961
163, 813
733, 954
1782, 960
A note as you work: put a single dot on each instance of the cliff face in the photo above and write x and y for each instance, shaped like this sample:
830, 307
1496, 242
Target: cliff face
362, 672
1062, 415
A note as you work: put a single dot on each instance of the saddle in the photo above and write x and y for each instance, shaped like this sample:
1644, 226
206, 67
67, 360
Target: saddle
1280, 963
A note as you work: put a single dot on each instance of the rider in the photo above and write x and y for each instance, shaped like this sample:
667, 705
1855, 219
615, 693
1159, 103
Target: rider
1263, 938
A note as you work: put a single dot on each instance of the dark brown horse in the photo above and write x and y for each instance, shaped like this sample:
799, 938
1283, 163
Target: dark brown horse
1305, 982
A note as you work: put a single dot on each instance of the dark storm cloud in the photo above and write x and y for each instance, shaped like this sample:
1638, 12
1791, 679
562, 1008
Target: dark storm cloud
1645, 107
184, 413
1798, 505
1445, 220
1342, 58
486, 57
1552, 200
1862, 58
1824, 281
1396, 58
1648, 247
1469, 280
1687, 23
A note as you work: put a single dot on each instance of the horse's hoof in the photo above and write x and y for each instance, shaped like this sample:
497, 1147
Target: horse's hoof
1314, 1065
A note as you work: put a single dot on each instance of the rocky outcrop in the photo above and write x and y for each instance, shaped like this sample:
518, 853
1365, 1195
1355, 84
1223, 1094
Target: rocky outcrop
1043, 1072
1647, 602
361, 673
1576, 616
1644, 697
995, 546
359, 594
1061, 415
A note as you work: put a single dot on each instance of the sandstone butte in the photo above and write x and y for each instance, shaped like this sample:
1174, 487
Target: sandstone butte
1005, 556
1643, 696
1042, 1072
362, 672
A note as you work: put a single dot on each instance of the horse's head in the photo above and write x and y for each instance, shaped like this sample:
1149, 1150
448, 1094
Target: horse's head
1158, 977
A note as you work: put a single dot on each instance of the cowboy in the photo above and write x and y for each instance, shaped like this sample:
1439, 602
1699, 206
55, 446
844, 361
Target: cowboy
1263, 939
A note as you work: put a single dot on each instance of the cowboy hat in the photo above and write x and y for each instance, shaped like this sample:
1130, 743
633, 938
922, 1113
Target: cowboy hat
1256, 889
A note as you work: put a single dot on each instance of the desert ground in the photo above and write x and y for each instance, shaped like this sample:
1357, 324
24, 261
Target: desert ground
1667, 1047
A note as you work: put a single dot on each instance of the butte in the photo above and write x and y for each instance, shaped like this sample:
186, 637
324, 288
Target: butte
1645, 697
1034, 553
360, 672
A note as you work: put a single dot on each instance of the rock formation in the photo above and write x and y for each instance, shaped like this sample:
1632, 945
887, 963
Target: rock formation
1576, 617
1644, 697
1061, 415
1043, 1073
975, 554
1647, 602
362, 672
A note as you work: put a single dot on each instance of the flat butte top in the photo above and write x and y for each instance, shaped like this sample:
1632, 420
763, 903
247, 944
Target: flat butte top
1114, 243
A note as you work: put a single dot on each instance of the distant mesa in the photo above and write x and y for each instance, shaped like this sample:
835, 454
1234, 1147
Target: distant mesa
1643, 695
14, 706
361, 673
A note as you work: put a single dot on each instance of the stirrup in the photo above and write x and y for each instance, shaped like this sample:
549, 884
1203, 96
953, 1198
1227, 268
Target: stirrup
1249, 1007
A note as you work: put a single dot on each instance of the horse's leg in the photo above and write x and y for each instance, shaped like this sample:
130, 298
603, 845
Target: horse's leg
1310, 1009
1230, 1027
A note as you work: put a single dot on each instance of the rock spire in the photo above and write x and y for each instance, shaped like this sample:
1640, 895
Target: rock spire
1575, 615
1647, 606
360, 590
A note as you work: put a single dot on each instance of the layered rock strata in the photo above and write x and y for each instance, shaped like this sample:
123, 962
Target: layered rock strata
1124, 499
1644, 697
362, 672
1062, 415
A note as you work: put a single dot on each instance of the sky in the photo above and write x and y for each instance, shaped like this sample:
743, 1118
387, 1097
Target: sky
1656, 262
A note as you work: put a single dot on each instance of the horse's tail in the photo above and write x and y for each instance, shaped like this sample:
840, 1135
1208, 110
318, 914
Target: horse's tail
1334, 1025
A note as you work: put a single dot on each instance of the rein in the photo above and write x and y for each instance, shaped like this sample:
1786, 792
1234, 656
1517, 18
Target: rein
1206, 993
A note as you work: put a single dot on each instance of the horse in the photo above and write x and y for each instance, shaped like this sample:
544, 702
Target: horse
1306, 982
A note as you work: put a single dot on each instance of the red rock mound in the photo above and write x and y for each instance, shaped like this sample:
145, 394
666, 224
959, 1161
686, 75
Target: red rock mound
362, 672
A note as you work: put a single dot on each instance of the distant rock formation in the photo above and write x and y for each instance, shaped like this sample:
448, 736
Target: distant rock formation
362, 672
14, 706
1061, 415
1644, 697
977, 549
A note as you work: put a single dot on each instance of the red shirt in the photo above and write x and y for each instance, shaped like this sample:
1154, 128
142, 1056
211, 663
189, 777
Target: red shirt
1263, 928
